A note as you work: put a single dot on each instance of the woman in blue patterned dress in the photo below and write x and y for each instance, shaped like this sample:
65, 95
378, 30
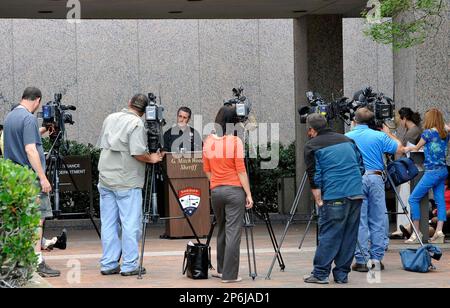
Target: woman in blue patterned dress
434, 140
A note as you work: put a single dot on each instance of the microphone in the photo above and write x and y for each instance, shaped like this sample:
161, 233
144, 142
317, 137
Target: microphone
69, 107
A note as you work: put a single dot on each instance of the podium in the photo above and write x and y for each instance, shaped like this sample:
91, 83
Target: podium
185, 171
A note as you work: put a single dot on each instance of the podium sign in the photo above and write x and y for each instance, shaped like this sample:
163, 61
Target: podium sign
185, 171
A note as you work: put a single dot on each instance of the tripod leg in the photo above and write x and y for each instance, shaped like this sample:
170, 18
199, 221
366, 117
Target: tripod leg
273, 239
69, 174
248, 225
405, 209
144, 234
255, 274
293, 211
94, 224
307, 229
146, 217
248, 253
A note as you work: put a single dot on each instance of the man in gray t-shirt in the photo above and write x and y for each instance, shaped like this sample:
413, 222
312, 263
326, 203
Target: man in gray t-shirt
23, 145
21, 130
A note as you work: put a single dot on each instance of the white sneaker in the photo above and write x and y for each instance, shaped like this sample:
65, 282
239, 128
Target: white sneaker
374, 265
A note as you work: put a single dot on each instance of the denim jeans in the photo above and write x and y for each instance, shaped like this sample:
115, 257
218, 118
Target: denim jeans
432, 179
120, 210
372, 226
338, 232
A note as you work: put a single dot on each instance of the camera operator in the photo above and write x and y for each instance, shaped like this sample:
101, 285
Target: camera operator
123, 141
23, 146
374, 224
223, 163
335, 168
181, 135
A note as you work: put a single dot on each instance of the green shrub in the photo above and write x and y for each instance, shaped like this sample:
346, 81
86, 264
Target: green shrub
264, 181
77, 202
19, 223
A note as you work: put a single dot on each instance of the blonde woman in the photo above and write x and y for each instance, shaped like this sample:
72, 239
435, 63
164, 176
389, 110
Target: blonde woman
434, 140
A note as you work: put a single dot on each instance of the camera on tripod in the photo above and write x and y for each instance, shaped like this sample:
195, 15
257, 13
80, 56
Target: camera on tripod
382, 106
56, 115
154, 122
243, 106
316, 105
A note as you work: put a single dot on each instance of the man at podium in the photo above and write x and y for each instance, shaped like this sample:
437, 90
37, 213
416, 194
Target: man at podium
181, 135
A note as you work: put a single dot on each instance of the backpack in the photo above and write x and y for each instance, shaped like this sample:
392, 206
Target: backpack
401, 171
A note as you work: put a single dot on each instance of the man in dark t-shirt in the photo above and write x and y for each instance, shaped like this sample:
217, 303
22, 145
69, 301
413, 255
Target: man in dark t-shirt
23, 146
182, 136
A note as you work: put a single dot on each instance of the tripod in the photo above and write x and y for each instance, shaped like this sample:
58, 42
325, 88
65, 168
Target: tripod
56, 163
312, 217
294, 207
150, 207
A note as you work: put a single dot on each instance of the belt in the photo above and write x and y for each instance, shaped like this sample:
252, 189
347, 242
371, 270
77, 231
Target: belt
376, 172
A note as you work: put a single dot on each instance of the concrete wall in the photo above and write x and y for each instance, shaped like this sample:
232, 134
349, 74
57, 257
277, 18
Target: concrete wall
422, 73
319, 67
98, 65
366, 63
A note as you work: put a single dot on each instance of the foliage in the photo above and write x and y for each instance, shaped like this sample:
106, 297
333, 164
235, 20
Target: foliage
264, 181
19, 223
403, 23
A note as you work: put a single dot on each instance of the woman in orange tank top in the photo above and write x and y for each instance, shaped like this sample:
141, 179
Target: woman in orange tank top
223, 163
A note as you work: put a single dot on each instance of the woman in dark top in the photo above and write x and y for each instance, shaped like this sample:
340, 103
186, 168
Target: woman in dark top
410, 121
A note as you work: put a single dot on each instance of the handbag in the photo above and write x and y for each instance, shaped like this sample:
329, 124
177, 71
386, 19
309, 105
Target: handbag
419, 260
401, 171
197, 261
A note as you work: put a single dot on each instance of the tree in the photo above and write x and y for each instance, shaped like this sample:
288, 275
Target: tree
403, 23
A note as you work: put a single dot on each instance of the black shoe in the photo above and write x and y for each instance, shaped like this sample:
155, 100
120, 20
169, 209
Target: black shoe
394, 236
61, 243
405, 232
312, 279
341, 281
114, 271
46, 271
358, 267
133, 273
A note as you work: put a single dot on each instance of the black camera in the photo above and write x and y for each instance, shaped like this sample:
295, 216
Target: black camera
316, 105
56, 115
382, 106
243, 106
154, 122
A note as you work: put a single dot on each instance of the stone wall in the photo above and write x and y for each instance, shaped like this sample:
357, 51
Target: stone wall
99, 64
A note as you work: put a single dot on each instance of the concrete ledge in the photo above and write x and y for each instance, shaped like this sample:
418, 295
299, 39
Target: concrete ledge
37, 282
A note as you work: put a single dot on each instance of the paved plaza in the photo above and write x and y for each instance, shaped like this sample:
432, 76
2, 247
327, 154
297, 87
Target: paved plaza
79, 264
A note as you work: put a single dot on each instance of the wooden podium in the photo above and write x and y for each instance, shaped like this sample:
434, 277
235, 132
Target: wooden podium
185, 171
